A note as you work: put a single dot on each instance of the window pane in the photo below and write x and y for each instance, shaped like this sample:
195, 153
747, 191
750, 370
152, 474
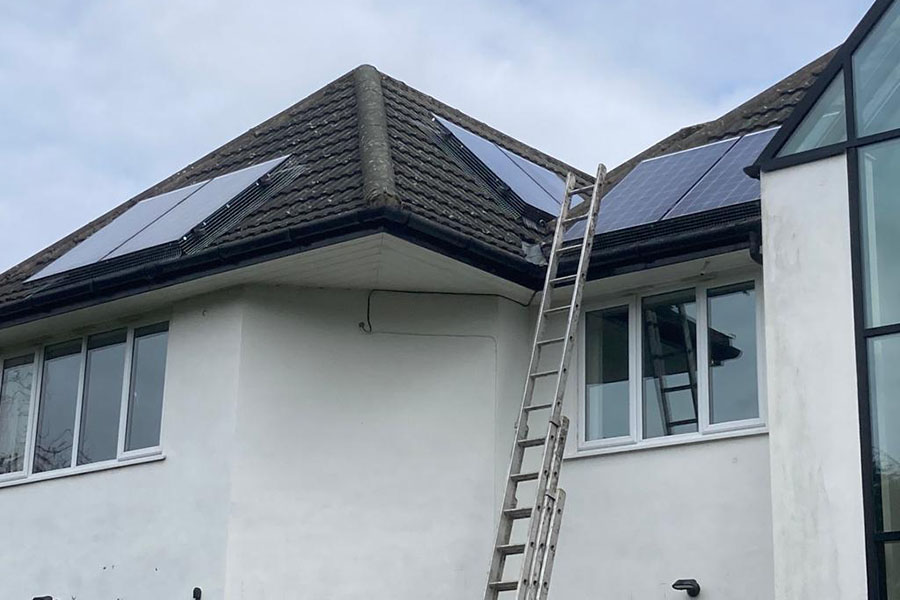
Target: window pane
56, 413
148, 373
104, 372
732, 354
876, 76
607, 413
824, 124
891, 562
884, 394
880, 221
670, 364
15, 402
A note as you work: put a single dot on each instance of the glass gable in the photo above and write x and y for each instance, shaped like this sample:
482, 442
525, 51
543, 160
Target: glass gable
824, 125
876, 76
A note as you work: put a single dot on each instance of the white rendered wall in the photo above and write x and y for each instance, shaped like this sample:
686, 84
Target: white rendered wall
815, 447
365, 463
150, 531
308, 459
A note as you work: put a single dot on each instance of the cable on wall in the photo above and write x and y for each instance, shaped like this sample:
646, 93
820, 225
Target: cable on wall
366, 326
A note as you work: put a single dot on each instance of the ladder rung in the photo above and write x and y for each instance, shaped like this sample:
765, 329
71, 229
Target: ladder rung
508, 549
581, 217
570, 248
504, 586
531, 442
538, 407
559, 340
678, 388
519, 477
564, 280
544, 373
557, 309
581, 190
518, 513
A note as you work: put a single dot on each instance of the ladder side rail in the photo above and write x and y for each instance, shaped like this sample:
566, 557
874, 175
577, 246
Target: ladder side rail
562, 373
505, 524
581, 275
547, 566
547, 510
659, 365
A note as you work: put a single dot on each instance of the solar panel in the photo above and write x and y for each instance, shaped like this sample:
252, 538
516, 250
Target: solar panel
117, 231
158, 220
726, 183
189, 213
533, 184
653, 187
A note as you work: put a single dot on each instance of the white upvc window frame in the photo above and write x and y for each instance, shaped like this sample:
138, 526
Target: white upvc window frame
706, 430
123, 457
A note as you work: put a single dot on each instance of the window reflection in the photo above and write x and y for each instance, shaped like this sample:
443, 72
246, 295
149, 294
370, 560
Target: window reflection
56, 415
607, 413
148, 373
825, 124
880, 219
884, 390
102, 401
876, 73
732, 353
670, 364
15, 403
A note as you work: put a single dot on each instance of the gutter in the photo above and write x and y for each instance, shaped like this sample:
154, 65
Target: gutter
270, 246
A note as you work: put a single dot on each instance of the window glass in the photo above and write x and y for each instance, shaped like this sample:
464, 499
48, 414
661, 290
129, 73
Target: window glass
732, 353
891, 562
669, 340
56, 413
607, 405
824, 124
102, 401
884, 391
15, 403
876, 76
879, 176
148, 373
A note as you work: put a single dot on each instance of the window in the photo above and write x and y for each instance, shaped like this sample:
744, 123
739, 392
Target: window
879, 180
879, 228
101, 394
669, 326
15, 405
876, 76
824, 125
731, 339
607, 405
678, 365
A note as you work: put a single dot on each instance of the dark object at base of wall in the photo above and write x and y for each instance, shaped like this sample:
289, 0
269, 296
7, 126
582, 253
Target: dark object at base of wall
687, 585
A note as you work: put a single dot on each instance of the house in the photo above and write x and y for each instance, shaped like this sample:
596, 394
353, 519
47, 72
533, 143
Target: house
293, 368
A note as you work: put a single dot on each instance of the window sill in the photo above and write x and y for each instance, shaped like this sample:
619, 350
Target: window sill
664, 442
12, 480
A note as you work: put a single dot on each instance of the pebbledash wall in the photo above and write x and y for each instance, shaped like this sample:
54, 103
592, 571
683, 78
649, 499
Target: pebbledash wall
818, 524
304, 458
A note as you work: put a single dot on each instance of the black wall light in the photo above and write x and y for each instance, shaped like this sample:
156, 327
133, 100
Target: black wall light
687, 585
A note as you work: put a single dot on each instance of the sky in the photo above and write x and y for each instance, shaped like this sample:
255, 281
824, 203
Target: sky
100, 99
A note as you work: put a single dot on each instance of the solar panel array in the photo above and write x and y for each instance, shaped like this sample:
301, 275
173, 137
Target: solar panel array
682, 183
159, 220
533, 184
726, 183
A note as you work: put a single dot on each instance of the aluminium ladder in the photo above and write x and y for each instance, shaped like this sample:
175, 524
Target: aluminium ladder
544, 512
